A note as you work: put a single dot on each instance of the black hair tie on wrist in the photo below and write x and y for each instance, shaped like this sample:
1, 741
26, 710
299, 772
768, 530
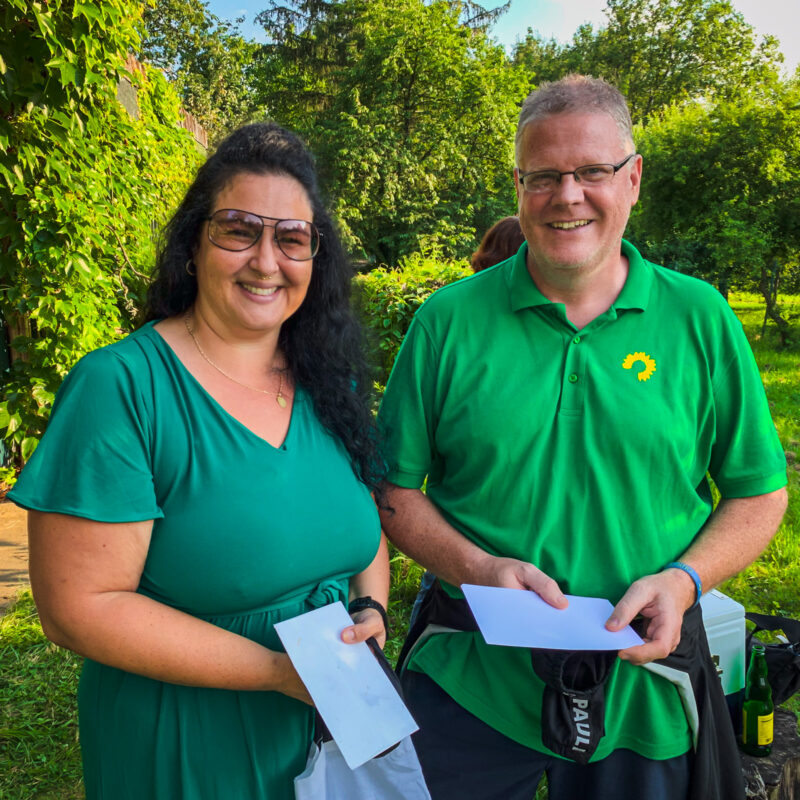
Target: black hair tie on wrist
360, 603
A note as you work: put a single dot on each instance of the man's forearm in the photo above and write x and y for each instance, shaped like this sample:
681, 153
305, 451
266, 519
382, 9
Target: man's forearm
417, 528
738, 531
420, 531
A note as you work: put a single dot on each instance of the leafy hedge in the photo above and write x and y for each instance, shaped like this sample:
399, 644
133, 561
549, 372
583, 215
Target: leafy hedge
387, 299
83, 187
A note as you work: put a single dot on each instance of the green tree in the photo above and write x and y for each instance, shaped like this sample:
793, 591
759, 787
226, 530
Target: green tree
410, 110
721, 187
541, 59
209, 62
83, 185
661, 51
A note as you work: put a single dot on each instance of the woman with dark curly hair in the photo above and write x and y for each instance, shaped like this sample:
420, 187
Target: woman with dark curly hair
205, 478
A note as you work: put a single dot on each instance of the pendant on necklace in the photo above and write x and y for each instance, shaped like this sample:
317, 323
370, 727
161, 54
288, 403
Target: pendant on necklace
281, 401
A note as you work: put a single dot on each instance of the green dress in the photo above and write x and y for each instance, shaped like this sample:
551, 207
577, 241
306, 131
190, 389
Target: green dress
244, 535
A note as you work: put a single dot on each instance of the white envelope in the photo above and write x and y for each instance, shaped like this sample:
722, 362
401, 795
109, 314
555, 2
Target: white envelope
519, 618
355, 698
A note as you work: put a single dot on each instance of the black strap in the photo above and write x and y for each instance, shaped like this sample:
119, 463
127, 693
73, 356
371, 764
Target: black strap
437, 608
715, 773
572, 716
769, 622
783, 660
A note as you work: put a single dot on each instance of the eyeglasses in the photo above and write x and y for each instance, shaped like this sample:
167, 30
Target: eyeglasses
232, 229
546, 180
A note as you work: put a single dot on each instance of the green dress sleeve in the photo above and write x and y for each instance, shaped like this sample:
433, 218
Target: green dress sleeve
94, 460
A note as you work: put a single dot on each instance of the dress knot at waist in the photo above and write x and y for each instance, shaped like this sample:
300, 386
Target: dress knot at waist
324, 593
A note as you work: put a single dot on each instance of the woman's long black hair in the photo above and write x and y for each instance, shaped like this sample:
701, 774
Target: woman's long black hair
321, 341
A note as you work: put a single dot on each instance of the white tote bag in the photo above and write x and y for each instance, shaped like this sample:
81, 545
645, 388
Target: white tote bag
394, 776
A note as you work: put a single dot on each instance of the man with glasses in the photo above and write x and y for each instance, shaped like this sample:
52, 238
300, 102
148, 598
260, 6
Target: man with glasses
566, 407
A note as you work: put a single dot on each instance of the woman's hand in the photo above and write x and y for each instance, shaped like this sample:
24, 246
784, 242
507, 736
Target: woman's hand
368, 622
290, 683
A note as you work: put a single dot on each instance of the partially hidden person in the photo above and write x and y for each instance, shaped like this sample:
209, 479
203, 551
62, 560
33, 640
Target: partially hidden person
567, 409
500, 242
205, 478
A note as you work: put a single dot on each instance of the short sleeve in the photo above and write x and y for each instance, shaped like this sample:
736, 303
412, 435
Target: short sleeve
747, 458
94, 460
406, 417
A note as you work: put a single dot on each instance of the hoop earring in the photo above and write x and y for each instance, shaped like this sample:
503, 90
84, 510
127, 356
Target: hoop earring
187, 266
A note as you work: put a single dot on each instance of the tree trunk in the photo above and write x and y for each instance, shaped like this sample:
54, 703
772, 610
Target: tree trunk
768, 286
17, 325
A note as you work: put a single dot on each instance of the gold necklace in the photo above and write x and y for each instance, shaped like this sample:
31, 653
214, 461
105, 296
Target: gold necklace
279, 398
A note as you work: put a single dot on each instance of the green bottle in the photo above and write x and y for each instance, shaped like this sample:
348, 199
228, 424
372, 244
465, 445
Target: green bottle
758, 708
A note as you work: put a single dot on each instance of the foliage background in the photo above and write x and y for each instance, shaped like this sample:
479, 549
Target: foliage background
209, 64
411, 111
387, 300
84, 186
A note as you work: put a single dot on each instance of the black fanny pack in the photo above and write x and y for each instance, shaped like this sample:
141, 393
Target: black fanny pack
574, 698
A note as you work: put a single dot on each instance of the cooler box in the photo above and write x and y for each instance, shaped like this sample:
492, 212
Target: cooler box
723, 620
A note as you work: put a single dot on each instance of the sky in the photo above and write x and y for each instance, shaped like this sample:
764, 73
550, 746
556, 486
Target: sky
559, 19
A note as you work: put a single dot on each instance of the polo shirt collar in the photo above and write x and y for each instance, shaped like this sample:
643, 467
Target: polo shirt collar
524, 293
636, 291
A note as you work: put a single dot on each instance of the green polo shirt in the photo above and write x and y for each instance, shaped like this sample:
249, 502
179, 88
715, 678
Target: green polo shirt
584, 452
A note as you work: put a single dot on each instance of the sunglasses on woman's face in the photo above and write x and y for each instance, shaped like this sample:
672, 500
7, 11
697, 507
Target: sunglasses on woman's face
232, 229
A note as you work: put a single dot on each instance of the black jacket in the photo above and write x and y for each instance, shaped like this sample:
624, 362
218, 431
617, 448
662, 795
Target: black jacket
715, 765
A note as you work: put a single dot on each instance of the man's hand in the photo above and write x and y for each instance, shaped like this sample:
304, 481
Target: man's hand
662, 600
417, 527
510, 573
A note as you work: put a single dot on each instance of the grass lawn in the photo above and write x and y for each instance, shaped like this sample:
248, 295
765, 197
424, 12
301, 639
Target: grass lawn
39, 754
772, 584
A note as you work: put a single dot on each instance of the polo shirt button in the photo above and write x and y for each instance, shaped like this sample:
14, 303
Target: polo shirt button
573, 378
576, 340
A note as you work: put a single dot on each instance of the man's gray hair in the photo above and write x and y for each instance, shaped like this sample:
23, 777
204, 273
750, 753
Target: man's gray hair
575, 94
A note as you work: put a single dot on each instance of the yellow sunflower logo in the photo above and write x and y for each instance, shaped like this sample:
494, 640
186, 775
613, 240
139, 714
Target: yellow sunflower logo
649, 364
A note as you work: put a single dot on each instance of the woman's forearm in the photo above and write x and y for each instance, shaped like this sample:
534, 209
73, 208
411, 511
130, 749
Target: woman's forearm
137, 634
84, 576
374, 580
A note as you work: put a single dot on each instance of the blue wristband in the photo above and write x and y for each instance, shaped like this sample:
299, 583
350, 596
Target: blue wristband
692, 574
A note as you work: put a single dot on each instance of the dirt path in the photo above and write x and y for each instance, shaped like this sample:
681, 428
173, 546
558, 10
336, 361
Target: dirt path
13, 552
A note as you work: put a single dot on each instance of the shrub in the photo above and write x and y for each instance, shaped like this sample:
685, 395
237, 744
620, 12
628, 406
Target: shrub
83, 186
386, 300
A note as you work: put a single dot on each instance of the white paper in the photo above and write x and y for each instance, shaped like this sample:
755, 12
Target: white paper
519, 618
355, 698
